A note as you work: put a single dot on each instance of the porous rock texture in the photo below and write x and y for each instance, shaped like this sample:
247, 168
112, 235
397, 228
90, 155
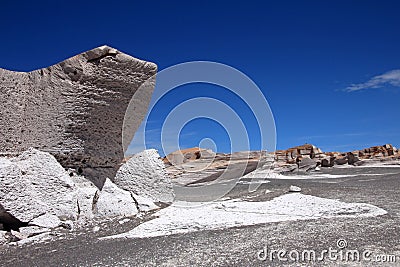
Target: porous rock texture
144, 175
37, 191
33, 184
113, 201
75, 109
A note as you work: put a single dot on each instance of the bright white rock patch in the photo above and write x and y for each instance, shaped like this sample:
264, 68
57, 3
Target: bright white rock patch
184, 217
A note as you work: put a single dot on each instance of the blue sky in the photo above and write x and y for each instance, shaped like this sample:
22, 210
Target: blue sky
329, 69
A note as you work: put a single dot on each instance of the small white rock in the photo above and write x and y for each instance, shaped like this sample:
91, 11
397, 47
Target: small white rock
115, 202
294, 188
46, 220
18, 235
32, 230
124, 221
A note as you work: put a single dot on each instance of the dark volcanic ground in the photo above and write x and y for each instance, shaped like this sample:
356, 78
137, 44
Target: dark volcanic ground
239, 246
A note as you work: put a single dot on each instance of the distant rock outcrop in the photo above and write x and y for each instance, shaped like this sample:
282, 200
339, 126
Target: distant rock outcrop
195, 166
292, 155
386, 150
189, 154
75, 109
308, 157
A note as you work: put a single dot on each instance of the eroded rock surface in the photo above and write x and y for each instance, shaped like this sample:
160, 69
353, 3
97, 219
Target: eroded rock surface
208, 166
75, 109
185, 155
37, 191
307, 157
33, 184
144, 176
115, 202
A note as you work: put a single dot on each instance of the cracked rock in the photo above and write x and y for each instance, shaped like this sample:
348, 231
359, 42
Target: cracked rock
115, 202
144, 176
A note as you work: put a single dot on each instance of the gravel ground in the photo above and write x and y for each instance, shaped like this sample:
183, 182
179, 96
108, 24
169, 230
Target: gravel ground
242, 246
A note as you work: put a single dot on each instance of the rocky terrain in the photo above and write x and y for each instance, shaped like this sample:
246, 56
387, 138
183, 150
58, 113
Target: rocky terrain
308, 157
77, 110
197, 166
64, 131
65, 185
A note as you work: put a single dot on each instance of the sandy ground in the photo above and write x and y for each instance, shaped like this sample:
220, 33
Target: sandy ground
245, 245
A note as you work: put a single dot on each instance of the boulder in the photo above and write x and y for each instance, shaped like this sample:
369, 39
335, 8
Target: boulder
36, 190
352, 158
85, 197
114, 202
328, 162
46, 220
306, 164
286, 168
341, 161
294, 189
76, 109
34, 184
144, 177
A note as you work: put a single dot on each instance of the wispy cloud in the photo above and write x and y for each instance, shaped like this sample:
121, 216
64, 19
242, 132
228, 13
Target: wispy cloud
389, 78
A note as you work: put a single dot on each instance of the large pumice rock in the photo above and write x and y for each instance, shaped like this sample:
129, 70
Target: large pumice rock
34, 184
144, 176
75, 110
115, 202
37, 191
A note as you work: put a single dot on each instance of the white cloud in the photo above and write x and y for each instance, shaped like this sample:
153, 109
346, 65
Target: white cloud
389, 78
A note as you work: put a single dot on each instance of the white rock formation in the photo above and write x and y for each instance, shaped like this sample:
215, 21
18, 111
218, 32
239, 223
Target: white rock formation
37, 190
144, 176
185, 217
294, 189
76, 109
85, 197
46, 220
115, 202
34, 184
